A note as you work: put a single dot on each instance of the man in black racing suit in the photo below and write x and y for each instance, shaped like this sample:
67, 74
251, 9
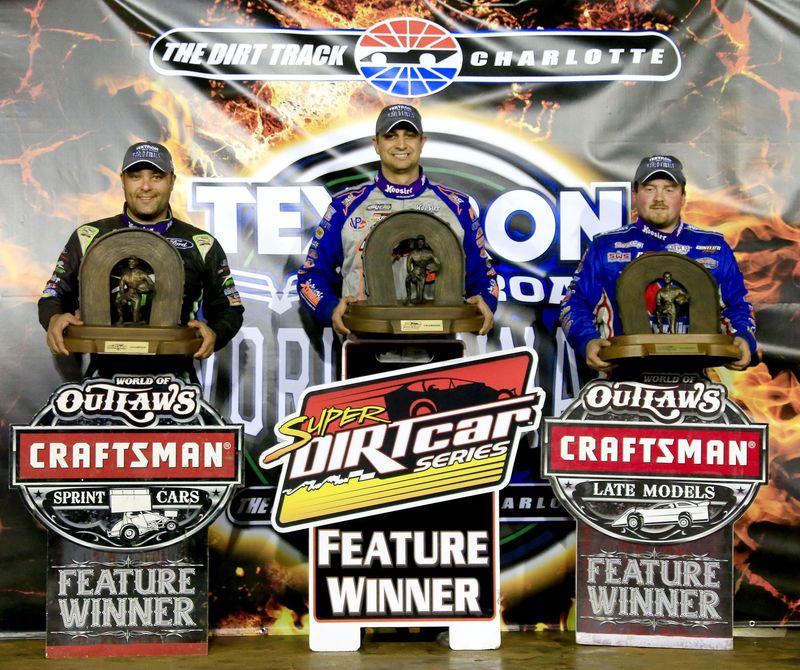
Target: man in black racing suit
147, 180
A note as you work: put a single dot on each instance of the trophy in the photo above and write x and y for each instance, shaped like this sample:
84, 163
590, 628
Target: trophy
414, 280
145, 275
669, 307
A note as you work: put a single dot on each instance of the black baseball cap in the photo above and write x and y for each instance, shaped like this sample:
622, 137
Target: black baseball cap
151, 153
653, 166
394, 115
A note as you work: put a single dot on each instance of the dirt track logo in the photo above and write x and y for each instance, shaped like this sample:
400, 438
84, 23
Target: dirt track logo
125, 465
412, 57
388, 442
620, 461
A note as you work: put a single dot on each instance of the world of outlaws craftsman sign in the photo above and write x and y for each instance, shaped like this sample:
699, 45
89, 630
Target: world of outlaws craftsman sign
126, 472
655, 472
126, 464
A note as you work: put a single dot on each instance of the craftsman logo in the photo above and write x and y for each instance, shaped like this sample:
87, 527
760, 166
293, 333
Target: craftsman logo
430, 433
663, 461
126, 464
644, 449
103, 453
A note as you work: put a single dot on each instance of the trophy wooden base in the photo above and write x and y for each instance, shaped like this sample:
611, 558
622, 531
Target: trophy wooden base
132, 340
709, 350
425, 319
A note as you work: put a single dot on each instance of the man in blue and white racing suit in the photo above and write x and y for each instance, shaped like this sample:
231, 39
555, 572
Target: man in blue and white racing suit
589, 312
332, 277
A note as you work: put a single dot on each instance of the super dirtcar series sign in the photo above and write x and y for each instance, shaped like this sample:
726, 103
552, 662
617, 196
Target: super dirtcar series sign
388, 442
127, 464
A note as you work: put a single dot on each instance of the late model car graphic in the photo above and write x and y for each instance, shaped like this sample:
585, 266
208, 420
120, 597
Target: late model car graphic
680, 512
428, 396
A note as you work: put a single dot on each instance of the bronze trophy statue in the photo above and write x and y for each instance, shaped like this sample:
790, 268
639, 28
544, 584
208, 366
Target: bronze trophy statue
421, 268
423, 295
135, 286
669, 307
147, 310
669, 299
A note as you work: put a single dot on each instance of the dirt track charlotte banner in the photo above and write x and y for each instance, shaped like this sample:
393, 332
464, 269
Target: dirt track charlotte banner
539, 110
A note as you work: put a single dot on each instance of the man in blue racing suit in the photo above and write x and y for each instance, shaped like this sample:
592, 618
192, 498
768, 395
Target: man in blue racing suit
331, 276
589, 312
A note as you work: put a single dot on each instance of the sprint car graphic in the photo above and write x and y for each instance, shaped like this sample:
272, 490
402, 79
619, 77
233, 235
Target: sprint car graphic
138, 517
134, 524
680, 512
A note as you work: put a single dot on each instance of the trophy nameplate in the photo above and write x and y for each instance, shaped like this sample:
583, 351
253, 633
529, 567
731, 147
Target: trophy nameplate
118, 326
669, 308
414, 271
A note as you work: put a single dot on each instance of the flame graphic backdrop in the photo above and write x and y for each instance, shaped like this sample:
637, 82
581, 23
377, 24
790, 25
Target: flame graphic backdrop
76, 88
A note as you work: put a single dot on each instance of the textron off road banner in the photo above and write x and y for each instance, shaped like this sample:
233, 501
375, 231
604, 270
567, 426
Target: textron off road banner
539, 111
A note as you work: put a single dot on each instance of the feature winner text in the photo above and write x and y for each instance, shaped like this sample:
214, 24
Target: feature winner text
622, 586
98, 597
402, 573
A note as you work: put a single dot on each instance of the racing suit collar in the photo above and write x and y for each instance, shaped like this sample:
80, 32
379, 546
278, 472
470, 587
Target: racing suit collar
159, 227
666, 238
401, 191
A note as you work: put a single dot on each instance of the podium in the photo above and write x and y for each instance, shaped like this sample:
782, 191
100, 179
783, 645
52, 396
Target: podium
437, 565
395, 474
